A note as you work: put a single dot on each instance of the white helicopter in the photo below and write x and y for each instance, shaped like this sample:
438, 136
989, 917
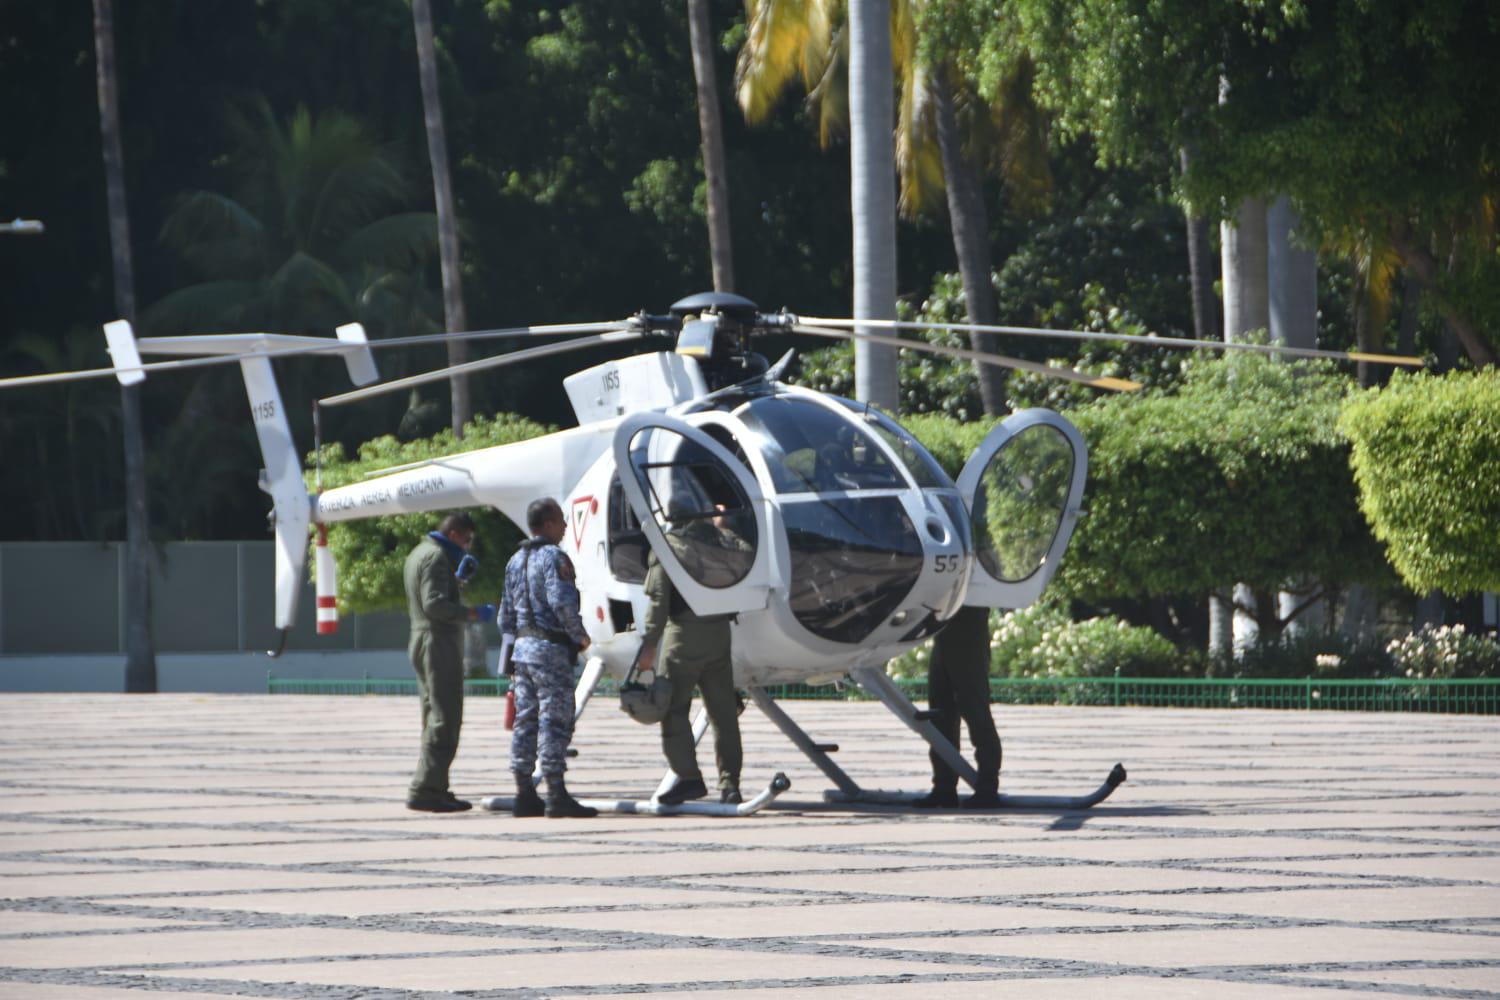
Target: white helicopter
838, 541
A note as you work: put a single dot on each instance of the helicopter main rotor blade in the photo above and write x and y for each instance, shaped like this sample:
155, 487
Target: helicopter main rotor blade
334, 348
499, 360
1069, 374
1128, 338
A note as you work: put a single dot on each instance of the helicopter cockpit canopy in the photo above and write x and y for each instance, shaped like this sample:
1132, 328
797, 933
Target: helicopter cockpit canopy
870, 533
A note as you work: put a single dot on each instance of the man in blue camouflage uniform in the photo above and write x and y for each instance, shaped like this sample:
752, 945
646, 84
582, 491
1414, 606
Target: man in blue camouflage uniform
540, 610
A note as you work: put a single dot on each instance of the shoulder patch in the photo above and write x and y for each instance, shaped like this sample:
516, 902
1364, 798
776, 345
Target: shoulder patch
565, 566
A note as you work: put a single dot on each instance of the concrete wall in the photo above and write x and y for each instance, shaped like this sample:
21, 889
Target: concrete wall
62, 621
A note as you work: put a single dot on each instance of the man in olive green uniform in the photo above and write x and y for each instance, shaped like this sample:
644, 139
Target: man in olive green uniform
694, 652
958, 687
436, 649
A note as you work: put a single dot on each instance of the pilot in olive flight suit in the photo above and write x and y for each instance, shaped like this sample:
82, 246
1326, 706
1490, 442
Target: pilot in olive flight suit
694, 652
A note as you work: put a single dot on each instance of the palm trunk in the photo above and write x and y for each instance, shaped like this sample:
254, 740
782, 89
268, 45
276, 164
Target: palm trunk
711, 126
1411, 314
872, 163
970, 225
1421, 263
1292, 279
140, 651
1246, 308
455, 319
1200, 270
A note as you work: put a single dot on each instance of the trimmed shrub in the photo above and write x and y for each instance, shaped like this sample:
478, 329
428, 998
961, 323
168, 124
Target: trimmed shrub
1241, 476
1426, 457
370, 552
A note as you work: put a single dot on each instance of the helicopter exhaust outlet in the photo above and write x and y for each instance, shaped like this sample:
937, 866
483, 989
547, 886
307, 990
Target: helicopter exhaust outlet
327, 585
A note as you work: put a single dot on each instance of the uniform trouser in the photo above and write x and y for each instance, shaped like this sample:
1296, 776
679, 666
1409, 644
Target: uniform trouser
437, 657
697, 655
544, 714
958, 688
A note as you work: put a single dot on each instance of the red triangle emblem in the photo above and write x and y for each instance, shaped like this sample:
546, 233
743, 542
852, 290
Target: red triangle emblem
582, 508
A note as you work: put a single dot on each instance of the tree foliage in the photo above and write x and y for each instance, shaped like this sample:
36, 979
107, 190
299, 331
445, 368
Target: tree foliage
370, 552
1376, 118
1426, 451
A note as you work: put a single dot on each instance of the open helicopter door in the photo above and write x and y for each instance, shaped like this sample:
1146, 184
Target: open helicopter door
701, 510
1023, 486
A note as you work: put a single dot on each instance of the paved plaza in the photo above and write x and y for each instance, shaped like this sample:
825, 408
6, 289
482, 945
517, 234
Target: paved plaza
207, 845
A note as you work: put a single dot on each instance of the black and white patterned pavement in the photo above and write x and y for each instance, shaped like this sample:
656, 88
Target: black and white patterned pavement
199, 845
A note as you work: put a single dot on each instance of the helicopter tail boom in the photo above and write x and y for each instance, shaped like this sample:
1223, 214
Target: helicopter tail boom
282, 475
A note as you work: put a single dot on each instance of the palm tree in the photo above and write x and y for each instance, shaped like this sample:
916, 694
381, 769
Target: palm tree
140, 650
310, 236
454, 314
711, 126
946, 136
872, 171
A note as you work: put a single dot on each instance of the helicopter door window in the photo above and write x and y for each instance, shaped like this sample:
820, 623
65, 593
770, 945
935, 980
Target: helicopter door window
699, 506
627, 542
1020, 500
812, 449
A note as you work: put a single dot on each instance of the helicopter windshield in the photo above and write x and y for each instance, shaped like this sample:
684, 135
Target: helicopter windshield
811, 449
918, 461
853, 561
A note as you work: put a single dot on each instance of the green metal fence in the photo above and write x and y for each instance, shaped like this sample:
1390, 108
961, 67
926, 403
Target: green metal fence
1395, 694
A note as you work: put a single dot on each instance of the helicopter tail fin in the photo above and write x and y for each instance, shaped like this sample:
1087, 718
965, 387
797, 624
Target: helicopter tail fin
282, 475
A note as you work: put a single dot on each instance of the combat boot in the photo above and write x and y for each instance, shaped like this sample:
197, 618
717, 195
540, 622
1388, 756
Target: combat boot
986, 792
528, 802
685, 789
944, 795
561, 805
729, 794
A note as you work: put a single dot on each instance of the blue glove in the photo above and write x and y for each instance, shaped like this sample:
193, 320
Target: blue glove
467, 567
486, 612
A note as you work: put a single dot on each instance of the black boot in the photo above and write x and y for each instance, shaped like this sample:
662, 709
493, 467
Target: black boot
685, 789
986, 792
561, 805
528, 802
944, 795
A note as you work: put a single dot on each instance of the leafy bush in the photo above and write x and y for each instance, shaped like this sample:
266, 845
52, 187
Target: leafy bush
1444, 651
1042, 641
1239, 476
370, 552
1303, 655
1426, 457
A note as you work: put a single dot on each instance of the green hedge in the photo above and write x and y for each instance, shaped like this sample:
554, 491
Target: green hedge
370, 552
1427, 459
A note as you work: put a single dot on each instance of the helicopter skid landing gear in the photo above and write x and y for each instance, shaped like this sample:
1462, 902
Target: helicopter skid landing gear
878, 797
650, 807
875, 682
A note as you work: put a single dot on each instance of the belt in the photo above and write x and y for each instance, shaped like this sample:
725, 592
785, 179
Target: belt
546, 635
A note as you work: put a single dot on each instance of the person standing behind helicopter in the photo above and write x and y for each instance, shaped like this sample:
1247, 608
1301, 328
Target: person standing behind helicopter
540, 612
958, 688
695, 652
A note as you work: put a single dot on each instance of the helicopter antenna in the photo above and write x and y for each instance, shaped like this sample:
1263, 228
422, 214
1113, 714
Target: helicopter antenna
1127, 338
1071, 375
